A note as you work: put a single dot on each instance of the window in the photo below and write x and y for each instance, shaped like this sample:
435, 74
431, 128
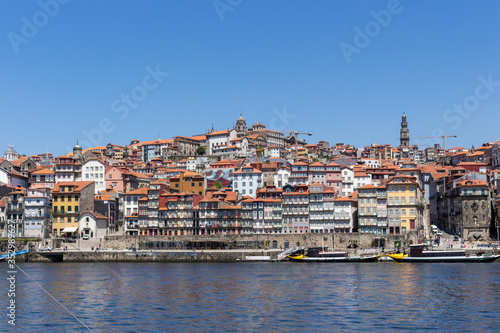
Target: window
109, 176
412, 200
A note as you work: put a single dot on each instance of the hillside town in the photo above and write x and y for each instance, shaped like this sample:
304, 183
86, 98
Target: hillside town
252, 180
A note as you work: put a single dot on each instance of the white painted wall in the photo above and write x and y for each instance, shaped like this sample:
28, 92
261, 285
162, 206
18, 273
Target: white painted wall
94, 170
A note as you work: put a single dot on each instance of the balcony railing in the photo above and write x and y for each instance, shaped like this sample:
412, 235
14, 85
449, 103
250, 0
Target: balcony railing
62, 212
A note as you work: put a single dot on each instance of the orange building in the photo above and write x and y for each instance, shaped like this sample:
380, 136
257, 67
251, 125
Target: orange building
188, 182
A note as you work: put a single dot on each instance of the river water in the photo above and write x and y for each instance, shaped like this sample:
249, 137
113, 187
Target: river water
255, 297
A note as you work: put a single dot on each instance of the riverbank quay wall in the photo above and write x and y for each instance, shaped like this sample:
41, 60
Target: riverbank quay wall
260, 241
143, 256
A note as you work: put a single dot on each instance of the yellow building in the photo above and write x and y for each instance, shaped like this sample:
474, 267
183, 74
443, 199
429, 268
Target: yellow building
69, 200
404, 205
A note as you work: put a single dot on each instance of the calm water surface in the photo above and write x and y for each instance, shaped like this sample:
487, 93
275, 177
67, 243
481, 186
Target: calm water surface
256, 297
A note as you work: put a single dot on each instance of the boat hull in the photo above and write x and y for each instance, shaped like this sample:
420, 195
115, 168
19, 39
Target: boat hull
301, 258
483, 258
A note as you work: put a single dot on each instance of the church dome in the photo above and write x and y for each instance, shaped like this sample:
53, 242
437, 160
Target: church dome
10, 150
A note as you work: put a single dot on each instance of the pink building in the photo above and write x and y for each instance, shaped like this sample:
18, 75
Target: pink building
114, 178
334, 178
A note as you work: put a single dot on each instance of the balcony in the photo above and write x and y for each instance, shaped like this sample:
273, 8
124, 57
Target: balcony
62, 212
16, 208
208, 215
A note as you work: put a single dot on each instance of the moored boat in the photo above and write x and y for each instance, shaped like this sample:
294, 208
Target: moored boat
315, 254
420, 253
7, 255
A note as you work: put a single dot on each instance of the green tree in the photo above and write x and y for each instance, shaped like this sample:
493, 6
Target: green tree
218, 184
201, 150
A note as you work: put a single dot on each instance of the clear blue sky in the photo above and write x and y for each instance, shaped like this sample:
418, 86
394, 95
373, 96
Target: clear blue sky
261, 58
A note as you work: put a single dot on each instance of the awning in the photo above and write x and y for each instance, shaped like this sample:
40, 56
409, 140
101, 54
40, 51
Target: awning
69, 230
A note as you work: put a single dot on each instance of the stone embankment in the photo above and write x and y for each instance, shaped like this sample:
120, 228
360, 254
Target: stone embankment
145, 256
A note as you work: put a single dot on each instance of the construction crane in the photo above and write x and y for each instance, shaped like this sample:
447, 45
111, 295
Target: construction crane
296, 136
436, 136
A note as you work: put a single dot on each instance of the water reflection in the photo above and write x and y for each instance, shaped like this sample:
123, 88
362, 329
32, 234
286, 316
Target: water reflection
259, 297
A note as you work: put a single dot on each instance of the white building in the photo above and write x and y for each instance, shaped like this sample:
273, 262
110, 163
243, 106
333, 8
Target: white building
281, 176
219, 139
361, 178
4, 176
371, 162
131, 206
347, 181
247, 180
273, 151
37, 213
345, 214
95, 225
191, 164
94, 170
